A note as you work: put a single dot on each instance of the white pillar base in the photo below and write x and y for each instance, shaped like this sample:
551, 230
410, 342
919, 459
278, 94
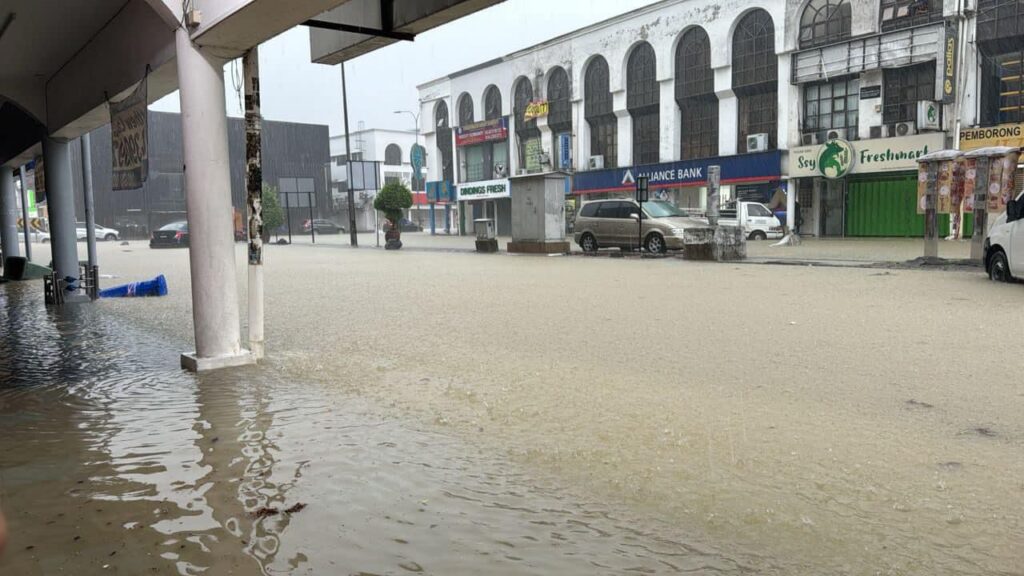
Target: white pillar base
792, 239
193, 363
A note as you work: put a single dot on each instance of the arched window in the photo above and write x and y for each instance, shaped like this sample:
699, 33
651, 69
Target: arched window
560, 116
695, 95
825, 22
560, 100
465, 109
755, 78
643, 99
444, 141
393, 155
599, 113
526, 130
492, 103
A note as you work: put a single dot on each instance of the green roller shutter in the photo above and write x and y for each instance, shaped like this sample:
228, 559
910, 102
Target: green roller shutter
887, 206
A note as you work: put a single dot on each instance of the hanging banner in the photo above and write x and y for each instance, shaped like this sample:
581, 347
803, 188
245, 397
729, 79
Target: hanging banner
40, 177
537, 109
128, 135
481, 132
949, 51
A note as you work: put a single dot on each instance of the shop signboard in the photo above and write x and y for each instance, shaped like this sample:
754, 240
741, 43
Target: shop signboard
481, 132
1003, 135
949, 53
440, 191
484, 190
537, 109
866, 156
759, 167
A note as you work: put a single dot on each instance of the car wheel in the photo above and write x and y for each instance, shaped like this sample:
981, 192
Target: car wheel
588, 243
758, 235
110, 237
655, 244
999, 267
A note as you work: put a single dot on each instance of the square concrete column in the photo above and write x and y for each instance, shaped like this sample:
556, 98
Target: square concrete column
8, 214
208, 203
60, 203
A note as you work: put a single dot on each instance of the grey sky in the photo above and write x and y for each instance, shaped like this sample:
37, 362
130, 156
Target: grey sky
381, 82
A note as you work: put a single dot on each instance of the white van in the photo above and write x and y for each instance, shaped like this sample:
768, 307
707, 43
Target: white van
1004, 247
756, 220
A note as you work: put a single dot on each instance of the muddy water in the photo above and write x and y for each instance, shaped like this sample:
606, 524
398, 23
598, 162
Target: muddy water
569, 416
114, 462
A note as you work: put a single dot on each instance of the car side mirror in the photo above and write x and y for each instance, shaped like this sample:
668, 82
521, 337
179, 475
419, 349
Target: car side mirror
634, 215
1013, 210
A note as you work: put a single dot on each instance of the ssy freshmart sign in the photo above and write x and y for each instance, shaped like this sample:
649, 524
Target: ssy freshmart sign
839, 158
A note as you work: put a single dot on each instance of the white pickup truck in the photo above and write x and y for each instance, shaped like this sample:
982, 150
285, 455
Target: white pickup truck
756, 219
1004, 247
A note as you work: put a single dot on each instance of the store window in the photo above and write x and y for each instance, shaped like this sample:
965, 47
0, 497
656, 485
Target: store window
831, 106
643, 100
492, 103
825, 22
392, 155
444, 141
755, 78
599, 113
898, 14
903, 88
527, 133
695, 95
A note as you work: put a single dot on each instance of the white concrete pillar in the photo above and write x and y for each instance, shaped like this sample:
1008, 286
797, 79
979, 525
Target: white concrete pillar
8, 214
208, 203
670, 120
60, 203
625, 128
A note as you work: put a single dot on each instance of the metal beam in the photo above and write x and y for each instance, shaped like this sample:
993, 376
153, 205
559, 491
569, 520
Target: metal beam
324, 25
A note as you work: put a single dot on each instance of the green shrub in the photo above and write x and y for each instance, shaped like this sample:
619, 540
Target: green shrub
392, 200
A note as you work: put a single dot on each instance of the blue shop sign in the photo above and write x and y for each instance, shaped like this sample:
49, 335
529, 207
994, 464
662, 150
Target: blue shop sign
759, 167
441, 191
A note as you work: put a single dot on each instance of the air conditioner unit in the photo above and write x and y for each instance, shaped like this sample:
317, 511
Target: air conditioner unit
757, 142
875, 131
809, 138
902, 129
837, 134
596, 163
545, 158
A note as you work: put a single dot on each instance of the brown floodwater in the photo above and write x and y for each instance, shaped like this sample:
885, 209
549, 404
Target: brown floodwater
456, 413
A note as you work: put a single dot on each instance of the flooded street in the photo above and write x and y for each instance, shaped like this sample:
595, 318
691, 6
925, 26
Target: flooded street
453, 413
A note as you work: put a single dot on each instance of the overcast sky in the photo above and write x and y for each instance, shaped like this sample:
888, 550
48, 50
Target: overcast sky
296, 90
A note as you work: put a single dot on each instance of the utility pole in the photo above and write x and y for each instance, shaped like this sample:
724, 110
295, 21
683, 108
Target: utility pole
24, 212
354, 238
254, 196
90, 213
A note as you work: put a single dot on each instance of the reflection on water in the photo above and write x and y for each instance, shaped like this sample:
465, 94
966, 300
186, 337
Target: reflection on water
112, 462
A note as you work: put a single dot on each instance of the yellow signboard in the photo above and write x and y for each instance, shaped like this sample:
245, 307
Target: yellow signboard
1003, 135
537, 109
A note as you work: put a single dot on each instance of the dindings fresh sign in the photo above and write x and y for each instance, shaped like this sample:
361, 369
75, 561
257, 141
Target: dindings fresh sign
485, 190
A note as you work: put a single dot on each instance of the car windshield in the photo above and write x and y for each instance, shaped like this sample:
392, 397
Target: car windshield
660, 209
174, 227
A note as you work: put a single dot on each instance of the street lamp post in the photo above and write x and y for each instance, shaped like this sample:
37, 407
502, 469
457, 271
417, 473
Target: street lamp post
416, 175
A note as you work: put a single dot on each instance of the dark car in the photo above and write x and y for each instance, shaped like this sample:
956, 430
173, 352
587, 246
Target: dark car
173, 235
323, 227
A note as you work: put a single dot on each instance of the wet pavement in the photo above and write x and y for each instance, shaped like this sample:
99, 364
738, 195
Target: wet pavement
453, 413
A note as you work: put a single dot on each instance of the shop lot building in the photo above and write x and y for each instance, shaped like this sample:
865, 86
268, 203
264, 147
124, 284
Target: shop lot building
832, 100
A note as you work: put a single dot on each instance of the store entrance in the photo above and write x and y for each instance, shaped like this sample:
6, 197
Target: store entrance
833, 208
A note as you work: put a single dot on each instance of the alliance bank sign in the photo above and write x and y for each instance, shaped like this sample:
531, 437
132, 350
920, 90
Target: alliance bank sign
839, 158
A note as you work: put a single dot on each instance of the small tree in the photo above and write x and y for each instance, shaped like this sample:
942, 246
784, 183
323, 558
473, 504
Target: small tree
394, 198
273, 215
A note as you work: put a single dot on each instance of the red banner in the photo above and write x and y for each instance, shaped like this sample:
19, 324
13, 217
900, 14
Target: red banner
481, 132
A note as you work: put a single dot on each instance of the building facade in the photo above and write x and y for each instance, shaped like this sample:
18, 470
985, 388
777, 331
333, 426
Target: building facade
393, 150
294, 156
831, 100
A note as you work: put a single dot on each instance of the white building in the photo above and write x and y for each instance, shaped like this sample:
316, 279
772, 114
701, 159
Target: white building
392, 149
755, 88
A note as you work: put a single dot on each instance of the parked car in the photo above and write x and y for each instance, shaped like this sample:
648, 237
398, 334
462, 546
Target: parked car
756, 219
614, 224
323, 227
407, 225
101, 232
173, 235
1004, 247
131, 230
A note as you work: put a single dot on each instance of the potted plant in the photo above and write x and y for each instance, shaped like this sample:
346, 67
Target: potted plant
392, 200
